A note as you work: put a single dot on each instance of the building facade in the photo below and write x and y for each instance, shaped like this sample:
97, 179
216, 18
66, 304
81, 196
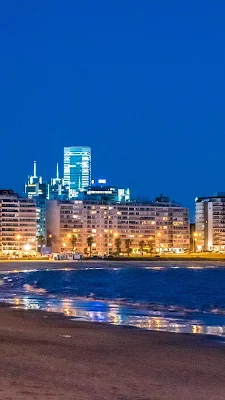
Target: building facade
163, 226
41, 217
104, 193
17, 224
77, 169
210, 222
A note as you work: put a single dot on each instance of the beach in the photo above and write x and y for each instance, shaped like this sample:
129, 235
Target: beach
48, 356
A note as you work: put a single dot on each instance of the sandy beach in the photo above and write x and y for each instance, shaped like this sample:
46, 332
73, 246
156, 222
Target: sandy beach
47, 356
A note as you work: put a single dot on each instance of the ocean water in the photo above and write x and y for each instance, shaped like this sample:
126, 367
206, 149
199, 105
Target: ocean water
162, 298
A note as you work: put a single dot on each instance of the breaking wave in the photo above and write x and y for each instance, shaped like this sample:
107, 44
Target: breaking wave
33, 289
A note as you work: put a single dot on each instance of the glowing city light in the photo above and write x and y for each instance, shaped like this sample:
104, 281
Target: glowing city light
27, 247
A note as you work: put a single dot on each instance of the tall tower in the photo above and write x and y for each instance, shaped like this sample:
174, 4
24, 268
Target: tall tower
35, 186
77, 169
34, 178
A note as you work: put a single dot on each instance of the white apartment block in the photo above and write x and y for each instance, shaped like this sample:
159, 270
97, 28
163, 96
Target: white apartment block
164, 224
17, 224
210, 222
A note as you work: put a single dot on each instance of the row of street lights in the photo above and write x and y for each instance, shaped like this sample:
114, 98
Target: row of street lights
116, 235
26, 247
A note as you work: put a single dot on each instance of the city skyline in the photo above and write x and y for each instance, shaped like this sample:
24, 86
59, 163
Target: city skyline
118, 77
60, 173
112, 199
59, 177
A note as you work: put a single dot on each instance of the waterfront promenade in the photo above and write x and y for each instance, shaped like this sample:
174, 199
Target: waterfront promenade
29, 265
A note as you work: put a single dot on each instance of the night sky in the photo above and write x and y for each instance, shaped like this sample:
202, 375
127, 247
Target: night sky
141, 82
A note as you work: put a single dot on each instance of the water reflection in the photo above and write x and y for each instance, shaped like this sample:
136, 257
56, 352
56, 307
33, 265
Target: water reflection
98, 311
157, 297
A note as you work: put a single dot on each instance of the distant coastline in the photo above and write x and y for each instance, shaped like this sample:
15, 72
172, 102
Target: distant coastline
163, 258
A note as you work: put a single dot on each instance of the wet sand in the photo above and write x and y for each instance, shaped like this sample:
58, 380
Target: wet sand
47, 356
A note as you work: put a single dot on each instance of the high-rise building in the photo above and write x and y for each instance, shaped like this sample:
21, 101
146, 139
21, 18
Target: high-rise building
18, 223
41, 217
77, 169
56, 188
161, 224
37, 190
35, 185
40, 192
210, 223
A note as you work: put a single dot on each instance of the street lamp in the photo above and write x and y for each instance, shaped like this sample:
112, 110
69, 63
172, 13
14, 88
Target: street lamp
18, 237
159, 235
195, 237
27, 247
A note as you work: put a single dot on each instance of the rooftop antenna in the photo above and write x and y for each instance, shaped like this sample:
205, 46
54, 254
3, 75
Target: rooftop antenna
57, 171
35, 169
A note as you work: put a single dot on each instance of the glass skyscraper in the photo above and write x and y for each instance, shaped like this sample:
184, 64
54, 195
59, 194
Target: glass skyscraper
77, 169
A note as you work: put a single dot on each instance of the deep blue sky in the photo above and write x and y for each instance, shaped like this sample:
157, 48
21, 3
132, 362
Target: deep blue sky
141, 82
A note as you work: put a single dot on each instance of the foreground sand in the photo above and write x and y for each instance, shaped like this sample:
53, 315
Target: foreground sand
47, 356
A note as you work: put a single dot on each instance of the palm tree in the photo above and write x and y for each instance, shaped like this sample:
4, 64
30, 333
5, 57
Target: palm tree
118, 243
73, 241
90, 241
40, 240
142, 245
128, 243
150, 245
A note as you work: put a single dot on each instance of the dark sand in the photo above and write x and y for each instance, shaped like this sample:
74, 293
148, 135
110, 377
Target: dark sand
47, 356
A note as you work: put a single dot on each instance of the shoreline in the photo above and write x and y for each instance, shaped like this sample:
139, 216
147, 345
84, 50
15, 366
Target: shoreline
166, 315
32, 265
124, 259
48, 356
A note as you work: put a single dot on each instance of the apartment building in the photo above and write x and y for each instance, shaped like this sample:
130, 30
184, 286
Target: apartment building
210, 222
162, 223
17, 223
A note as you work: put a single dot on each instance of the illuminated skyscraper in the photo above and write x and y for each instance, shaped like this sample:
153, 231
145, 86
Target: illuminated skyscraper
56, 187
35, 187
77, 169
